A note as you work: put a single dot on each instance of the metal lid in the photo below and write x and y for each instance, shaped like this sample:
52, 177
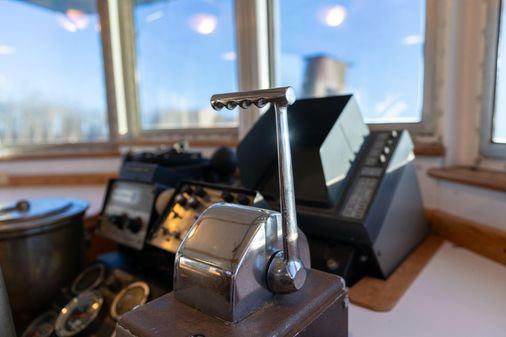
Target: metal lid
35, 213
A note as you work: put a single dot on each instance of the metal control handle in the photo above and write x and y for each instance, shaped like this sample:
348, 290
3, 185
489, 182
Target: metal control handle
20, 206
286, 272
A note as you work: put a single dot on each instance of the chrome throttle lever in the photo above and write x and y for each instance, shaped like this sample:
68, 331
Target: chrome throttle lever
286, 272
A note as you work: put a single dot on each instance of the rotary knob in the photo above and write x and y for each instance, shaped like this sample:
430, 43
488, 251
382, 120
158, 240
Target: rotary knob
135, 225
180, 199
227, 196
200, 191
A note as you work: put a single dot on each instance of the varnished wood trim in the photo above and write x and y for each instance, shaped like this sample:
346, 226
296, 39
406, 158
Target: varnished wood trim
204, 143
60, 155
383, 295
57, 179
493, 180
66, 154
432, 149
484, 240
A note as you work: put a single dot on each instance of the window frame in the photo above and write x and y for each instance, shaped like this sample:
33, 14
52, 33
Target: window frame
256, 44
489, 149
131, 84
84, 147
432, 80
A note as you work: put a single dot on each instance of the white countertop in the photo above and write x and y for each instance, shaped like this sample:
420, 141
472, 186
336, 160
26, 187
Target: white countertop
458, 294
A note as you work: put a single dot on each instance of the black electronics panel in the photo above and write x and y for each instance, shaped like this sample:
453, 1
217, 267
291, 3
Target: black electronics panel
127, 212
379, 211
370, 170
188, 201
326, 134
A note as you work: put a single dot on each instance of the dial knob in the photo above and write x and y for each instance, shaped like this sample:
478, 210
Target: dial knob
194, 203
227, 196
200, 191
135, 225
187, 189
180, 199
243, 199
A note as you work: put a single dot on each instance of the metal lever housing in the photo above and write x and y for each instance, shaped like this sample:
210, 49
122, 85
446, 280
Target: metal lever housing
286, 272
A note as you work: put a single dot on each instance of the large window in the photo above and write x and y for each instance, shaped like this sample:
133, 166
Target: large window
185, 53
499, 115
373, 49
51, 74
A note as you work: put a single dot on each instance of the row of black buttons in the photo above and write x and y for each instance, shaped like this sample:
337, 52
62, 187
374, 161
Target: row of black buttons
124, 221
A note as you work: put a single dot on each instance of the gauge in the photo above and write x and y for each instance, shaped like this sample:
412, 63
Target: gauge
79, 314
42, 326
89, 279
128, 298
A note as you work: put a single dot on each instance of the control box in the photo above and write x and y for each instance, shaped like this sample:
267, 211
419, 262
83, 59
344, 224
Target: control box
188, 201
128, 211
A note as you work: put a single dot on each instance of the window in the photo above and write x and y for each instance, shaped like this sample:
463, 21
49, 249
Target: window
373, 49
499, 116
185, 52
493, 121
51, 74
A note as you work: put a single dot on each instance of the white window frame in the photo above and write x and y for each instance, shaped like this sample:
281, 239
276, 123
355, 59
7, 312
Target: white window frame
82, 147
488, 149
256, 34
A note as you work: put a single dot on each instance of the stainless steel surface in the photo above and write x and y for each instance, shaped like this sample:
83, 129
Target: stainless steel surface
89, 279
20, 206
42, 326
286, 273
40, 252
279, 96
221, 265
129, 298
6, 323
79, 314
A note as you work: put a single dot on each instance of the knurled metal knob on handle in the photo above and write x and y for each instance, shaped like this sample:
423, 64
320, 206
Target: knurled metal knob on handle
286, 272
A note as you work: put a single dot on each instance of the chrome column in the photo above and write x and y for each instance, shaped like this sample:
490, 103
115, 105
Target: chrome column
286, 272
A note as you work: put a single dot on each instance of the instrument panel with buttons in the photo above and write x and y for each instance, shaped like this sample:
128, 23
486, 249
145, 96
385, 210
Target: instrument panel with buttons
128, 212
188, 201
371, 170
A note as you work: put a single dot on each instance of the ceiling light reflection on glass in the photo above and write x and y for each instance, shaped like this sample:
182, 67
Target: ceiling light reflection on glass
74, 20
204, 23
333, 16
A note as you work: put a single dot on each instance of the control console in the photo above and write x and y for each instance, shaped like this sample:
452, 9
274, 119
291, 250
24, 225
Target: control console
128, 211
188, 201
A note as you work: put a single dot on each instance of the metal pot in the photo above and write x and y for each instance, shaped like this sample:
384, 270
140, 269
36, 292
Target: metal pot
42, 248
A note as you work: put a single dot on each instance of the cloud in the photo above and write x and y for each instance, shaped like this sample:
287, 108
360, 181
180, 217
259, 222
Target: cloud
6, 49
229, 56
390, 107
412, 40
152, 17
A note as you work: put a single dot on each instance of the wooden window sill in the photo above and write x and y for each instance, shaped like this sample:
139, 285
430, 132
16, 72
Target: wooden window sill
429, 149
71, 179
494, 180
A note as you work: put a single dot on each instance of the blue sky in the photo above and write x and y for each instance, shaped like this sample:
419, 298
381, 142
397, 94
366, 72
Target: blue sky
48, 61
380, 41
179, 68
